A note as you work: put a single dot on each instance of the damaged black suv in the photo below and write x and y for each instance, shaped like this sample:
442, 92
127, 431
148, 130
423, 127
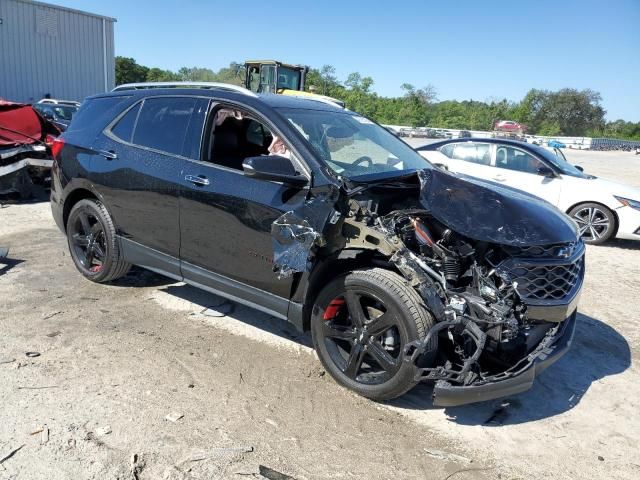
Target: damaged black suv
403, 272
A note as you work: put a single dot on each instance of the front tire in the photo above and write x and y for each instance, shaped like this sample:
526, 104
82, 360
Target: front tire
361, 323
92, 241
596, 222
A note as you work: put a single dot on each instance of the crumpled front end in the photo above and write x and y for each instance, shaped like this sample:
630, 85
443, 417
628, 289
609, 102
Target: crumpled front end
503, 293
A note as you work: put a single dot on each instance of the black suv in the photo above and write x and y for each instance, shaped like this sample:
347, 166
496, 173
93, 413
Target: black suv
403, 272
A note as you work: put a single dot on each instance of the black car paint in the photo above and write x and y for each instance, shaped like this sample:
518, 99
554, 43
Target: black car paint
147, 196
490, 212
173, 226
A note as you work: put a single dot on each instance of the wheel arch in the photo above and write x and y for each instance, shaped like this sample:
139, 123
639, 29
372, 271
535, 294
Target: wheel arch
337, 264
72, 198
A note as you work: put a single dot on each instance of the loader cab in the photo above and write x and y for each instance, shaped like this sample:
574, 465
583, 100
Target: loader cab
270, 76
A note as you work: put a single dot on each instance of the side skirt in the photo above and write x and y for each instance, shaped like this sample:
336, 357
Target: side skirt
169, 266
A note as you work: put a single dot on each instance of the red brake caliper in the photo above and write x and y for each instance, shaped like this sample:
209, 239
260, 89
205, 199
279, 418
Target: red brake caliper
333, 309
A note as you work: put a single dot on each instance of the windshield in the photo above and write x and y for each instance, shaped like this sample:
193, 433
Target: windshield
65, 112
288, 78
352, 145
558, 160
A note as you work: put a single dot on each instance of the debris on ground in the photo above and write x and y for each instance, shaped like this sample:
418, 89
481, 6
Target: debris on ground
6, 360
101, 431
11, 454
32, 354
271, 474
50, 315
137, 465
44, 436
221, 310
174, 417
447, 456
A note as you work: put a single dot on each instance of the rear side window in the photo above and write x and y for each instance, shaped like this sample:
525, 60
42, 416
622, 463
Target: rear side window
94, 110
162, 123
124, 128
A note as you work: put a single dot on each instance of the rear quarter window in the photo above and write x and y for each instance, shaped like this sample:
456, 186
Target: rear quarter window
123, 129
94, 113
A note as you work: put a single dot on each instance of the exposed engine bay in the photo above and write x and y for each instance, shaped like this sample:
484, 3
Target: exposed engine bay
486, 293
482, 325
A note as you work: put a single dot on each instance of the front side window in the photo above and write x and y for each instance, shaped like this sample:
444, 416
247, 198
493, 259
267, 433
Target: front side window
511, 158
162, 123
235, 136
352, 145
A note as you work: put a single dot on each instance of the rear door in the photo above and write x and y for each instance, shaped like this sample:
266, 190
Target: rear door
140, 177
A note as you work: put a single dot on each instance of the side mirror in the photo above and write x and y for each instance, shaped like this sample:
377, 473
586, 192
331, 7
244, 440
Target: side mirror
546, 171
579, 168
275, 168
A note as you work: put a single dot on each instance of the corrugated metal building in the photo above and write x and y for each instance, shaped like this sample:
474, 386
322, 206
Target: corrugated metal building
48, 49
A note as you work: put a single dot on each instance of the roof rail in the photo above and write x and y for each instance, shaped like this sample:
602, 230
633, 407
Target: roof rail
206, 85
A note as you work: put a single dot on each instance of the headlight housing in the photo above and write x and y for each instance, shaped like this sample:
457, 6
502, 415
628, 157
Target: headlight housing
627, 202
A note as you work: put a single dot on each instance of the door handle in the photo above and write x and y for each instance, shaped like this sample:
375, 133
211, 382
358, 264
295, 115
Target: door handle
500, 178
197, 179
108, 154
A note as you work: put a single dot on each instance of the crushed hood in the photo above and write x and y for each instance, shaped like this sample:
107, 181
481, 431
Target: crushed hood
489, 212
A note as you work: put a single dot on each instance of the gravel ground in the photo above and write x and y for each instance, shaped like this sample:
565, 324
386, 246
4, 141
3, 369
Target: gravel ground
119, 363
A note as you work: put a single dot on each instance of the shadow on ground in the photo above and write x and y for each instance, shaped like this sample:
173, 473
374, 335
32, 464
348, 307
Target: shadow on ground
598, 351
8, 263
246, 315
623, 244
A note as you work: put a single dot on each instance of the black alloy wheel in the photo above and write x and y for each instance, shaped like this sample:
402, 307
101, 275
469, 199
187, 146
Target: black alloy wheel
92, 241
361, 323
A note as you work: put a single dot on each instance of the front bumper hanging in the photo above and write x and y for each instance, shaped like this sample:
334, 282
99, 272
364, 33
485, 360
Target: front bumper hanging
517, 379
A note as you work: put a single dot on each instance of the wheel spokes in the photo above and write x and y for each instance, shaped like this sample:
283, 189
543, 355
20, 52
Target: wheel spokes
354, 362
380, 324
84, 221
354, 307
80, 240
381, 356
332, 330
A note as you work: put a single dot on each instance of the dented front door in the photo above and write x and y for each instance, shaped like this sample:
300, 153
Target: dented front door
226, 224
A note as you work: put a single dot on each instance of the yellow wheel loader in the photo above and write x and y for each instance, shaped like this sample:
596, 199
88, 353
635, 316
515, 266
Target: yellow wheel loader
271, 76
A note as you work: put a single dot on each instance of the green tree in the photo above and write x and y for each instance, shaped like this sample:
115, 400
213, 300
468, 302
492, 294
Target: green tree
128, 71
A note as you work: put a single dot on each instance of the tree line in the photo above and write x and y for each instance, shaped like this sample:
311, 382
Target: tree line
567, 111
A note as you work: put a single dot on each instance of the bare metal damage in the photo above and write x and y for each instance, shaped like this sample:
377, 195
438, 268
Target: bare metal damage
449, 243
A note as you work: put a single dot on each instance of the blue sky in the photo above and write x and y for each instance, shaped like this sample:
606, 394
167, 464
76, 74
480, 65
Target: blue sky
467, 49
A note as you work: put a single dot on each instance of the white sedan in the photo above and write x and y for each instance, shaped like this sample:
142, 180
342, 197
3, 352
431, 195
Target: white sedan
601, 208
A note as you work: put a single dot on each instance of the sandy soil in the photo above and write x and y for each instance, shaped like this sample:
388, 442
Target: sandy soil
121, 358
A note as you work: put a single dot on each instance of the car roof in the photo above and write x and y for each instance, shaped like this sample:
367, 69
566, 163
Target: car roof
504, 141
270, 99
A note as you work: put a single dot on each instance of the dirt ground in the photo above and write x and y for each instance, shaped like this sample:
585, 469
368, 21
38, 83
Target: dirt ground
119, 363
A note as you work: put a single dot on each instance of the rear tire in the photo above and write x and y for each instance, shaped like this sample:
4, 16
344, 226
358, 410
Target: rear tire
92, 241
596, 222
363, 351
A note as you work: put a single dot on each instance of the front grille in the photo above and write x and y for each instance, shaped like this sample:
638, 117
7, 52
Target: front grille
551, 278
547, 282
